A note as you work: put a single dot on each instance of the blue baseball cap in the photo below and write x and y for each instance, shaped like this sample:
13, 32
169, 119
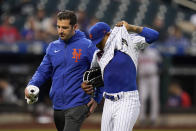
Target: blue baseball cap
98, 31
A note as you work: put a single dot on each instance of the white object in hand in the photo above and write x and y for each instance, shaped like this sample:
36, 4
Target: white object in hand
33, 92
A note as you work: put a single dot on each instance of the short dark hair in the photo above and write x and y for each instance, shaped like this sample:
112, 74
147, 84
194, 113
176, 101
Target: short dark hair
67, 14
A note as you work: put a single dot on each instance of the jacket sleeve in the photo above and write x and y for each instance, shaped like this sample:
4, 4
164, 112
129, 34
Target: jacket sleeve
91, 49
43, 72
149, 34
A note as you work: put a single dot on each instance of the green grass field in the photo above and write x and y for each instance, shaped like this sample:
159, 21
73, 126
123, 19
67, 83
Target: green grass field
99, 130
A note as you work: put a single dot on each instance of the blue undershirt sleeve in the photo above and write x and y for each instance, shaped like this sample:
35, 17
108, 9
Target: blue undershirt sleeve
98, 94
150, 35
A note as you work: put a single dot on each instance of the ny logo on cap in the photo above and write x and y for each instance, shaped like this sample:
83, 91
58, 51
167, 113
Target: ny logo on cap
91, 36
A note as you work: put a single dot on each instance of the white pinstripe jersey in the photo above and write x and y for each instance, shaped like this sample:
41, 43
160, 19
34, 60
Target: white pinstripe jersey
122, 114
121, 40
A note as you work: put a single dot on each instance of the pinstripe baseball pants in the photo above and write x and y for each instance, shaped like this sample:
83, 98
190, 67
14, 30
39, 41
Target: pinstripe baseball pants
121, 115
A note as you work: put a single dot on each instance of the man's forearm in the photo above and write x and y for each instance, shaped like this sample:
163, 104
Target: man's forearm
134, 28
149, 34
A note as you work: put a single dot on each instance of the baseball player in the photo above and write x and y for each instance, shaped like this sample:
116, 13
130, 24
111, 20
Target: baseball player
148, 73
117, 57
65, 62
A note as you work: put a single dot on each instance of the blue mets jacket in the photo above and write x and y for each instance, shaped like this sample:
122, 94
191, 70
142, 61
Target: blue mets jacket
65, 64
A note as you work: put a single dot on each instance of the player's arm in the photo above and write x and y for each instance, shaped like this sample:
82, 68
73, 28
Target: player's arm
129, 27
98, 95
149, 34
44, 71
41, 75
88, 88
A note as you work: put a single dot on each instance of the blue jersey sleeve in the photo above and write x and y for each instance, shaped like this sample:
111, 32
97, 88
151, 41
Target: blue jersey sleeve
99, 94
149, 34
43, 72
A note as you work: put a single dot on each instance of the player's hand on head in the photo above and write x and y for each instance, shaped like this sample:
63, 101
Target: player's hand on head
87, 87
121, 23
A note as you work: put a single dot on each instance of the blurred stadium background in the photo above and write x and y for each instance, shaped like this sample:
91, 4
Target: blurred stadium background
27, 26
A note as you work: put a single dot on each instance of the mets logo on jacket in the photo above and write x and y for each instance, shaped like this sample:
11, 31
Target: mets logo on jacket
76, 54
